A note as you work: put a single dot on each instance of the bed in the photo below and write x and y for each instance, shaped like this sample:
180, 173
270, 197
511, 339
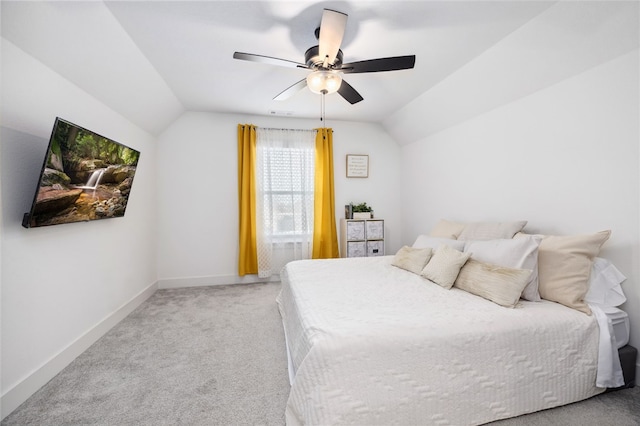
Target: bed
371, 343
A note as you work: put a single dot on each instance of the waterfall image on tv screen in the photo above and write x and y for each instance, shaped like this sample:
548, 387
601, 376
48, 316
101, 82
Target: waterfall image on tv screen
85, 176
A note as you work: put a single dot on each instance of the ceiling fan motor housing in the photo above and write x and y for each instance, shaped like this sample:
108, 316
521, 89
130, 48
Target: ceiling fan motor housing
315, 61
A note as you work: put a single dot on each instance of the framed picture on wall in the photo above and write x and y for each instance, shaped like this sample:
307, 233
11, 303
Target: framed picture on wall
357, 166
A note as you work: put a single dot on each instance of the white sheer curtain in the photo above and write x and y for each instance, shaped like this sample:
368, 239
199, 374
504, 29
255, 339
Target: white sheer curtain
284, 208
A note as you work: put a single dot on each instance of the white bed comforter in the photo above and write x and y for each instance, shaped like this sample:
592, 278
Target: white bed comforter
373, 344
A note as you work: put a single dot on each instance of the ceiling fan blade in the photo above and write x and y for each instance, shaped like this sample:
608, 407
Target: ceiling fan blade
268, 60
331, 32
382, 64
349, 93
291, 90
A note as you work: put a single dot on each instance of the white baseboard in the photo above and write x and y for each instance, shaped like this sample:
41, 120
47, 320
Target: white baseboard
27, 387
214, 280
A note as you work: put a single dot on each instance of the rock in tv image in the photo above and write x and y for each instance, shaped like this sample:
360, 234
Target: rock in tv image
85, 176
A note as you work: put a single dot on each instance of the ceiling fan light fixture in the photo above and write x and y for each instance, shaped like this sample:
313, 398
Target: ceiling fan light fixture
324, 81
325, 63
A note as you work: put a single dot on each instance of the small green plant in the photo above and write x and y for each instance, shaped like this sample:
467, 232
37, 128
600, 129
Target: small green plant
361, 208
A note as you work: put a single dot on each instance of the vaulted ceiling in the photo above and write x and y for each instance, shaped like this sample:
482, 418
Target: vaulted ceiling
152, 60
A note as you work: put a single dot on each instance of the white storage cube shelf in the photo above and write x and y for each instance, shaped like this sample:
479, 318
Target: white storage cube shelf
361, 237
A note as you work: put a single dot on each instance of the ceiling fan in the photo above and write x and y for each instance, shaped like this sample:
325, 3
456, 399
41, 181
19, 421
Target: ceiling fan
325, 62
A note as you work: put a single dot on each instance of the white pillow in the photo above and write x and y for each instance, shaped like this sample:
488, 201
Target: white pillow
604, 284
491, 230
426, 241
444, 266
518, 253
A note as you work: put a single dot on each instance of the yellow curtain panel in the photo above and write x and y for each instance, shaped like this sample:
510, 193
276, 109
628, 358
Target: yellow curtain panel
325, 235
248, 255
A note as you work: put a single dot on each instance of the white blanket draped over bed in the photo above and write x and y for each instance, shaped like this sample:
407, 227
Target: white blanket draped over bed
373, 344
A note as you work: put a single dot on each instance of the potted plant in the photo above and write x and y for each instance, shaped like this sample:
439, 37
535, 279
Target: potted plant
362, 211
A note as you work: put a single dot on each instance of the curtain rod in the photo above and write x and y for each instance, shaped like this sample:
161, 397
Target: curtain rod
276, 128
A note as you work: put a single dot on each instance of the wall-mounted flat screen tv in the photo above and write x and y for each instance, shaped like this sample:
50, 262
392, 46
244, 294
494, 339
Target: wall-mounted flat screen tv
85, 176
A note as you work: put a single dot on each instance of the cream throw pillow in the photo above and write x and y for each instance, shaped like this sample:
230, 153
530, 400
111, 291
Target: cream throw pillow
496, 283
564, 267
491, 230
412, 259
444, 266
447, 229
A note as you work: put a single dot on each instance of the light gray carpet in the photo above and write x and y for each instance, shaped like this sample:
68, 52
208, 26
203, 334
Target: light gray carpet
215, 356
195, 356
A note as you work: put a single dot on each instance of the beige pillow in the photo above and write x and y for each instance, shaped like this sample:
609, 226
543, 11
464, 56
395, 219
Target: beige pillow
444, 266
412, 259
447, 229
491, 230
498, 284
564, 267
424, 241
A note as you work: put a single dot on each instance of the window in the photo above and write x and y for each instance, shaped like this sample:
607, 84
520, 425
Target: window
285, 176
285, 163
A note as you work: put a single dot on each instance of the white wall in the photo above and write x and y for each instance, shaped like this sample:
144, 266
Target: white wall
65, 285
198, 192
566, 158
